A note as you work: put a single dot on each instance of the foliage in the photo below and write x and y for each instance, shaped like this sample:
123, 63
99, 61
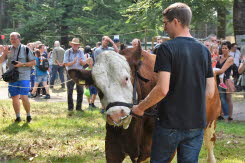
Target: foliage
50, 20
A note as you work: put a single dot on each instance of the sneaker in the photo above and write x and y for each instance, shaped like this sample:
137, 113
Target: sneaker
79, 110
31, 96
230, 119
93, 105
28, 119
220, 118
222, 85
102, 111
17, 120
47, 96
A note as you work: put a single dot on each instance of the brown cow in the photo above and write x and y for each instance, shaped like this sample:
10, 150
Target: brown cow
114, 77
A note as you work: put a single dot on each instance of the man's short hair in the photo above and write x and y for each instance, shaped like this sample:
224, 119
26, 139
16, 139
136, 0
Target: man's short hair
15, 34
180, 11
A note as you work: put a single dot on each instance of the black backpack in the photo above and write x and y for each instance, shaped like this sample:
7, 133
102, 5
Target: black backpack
44, 66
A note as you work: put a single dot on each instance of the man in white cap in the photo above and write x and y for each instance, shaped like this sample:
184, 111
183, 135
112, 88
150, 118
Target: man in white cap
74, 59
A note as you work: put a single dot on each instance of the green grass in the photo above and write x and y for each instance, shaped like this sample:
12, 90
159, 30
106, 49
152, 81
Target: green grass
54, 136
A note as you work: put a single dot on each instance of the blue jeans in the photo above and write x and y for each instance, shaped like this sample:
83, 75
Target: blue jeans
224, 104
60, 70
188, 143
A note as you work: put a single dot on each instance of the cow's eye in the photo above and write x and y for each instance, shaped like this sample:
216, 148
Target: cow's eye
126, 79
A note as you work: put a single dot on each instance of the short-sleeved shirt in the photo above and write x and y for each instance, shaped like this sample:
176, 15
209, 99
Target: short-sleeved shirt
100, 50
70, 56
24, 72
189, 63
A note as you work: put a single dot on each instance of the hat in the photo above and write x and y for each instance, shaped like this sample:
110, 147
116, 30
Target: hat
116, 40
75, 41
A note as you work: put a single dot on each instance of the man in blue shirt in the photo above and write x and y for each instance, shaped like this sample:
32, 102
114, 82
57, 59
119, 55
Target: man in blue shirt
74, 59
104, 46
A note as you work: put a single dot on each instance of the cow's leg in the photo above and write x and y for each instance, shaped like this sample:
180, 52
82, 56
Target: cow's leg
209, 140
113, 145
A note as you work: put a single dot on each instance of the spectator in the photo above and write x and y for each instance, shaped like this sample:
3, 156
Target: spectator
58, 66
74, 59
20, 88
241, 69
180, 94
104, 46
117, 42
135, 42
41, 76
225, 65
159, 41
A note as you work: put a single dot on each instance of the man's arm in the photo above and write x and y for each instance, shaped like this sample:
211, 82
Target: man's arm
241, 68
157, 94
5, 53
210, 87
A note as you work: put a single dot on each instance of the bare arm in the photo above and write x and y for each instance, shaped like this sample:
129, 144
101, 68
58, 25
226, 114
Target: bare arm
210, 85
5, 53
227, 64
241, 68
157, 94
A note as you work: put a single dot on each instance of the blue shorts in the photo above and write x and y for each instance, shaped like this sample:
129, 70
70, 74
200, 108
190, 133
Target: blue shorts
14, 88
93, 90
42, 78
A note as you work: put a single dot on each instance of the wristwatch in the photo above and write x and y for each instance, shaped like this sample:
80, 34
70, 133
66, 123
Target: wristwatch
24, 65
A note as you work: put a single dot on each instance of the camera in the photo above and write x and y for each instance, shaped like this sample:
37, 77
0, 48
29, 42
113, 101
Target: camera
14, 62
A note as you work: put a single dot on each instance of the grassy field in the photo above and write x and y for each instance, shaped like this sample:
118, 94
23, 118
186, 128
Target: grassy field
54, 136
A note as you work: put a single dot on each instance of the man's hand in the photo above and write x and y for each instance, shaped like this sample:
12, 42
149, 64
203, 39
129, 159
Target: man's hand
136, 110
108, 39
6, 50
19, 64
75, 60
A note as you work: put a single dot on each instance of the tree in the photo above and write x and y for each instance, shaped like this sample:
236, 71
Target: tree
239, 17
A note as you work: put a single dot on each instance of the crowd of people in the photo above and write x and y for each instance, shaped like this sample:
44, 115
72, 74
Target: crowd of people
40, 67
227, 63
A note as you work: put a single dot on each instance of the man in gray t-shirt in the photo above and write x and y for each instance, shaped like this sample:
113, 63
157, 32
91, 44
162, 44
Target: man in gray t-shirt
22, 58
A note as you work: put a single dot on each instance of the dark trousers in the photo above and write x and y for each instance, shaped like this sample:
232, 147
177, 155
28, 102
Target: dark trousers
70, 87
60, 70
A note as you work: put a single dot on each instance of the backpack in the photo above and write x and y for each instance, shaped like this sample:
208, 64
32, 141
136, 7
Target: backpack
44, 65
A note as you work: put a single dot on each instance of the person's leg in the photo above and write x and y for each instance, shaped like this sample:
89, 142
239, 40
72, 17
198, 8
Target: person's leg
14, 91
61, 75
189, 148
79, 97
164, 144
25, 84
53, 75
70, 86
230, 105
223, 102
93, 92
34, 89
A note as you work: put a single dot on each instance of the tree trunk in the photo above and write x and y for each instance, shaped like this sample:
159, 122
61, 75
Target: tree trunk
239, 17
221, 14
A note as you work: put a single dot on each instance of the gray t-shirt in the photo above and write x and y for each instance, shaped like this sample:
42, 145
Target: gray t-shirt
24, 72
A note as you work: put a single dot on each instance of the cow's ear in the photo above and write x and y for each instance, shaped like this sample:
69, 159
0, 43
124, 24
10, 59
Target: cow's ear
137, 53
81, 77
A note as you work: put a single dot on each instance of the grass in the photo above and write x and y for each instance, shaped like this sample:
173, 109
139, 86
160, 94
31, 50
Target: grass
54, 136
